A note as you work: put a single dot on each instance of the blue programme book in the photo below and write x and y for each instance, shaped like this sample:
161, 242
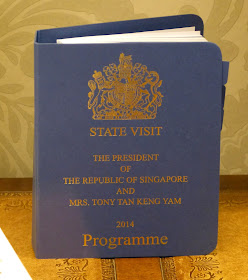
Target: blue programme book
127, 143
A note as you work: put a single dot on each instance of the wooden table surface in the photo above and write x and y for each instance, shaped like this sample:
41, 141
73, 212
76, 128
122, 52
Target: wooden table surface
227, 261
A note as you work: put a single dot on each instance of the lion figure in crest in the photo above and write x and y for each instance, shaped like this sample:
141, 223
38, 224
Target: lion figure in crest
124, 92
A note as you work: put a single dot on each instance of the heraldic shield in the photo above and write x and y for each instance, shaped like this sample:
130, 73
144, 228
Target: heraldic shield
124, 92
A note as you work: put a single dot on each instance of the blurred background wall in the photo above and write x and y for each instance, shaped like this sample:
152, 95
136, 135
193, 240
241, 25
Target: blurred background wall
226, 24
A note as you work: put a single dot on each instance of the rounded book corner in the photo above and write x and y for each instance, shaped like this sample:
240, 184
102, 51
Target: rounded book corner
211, 248
197, 21
216, 50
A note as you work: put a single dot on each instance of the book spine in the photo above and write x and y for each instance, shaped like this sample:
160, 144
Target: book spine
35, 190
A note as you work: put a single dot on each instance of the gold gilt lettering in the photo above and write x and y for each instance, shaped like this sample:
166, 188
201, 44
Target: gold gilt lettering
152, 238
101, 157
135, 157
103, 202
114, 242
146, 131
109, 131
102, 180
127, 241
128, 202
126, 191
138, 240
78, 202
148, 201
162, 179
93, 131
172, 200
87, 238
71, 180
103, 241
122, 131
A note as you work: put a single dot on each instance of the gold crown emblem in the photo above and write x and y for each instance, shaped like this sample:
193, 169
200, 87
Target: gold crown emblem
124, 92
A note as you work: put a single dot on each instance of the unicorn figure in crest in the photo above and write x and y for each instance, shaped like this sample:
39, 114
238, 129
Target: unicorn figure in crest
124, 92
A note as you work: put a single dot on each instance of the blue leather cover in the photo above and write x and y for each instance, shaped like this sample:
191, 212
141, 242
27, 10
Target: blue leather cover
175, 215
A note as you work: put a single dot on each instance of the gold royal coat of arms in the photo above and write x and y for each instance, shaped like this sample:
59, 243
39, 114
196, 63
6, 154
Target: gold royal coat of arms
124, 92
